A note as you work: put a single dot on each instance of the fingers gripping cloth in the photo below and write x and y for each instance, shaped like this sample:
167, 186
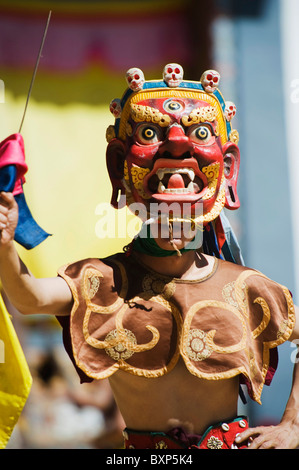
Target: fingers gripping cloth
12, 170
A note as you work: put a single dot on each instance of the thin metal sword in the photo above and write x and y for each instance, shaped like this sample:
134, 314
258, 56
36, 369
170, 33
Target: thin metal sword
35, 69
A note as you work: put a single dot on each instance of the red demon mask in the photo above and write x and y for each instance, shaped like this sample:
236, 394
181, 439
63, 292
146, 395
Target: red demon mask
172, 146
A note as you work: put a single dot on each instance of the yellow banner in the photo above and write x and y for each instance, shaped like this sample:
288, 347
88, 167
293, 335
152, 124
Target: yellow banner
15, 377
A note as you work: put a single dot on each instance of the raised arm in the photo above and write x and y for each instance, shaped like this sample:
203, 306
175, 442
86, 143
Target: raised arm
27, 293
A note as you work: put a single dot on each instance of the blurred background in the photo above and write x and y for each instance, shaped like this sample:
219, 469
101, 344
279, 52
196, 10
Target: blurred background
89, 47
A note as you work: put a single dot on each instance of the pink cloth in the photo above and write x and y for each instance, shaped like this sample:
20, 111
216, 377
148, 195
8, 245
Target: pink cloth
12, 152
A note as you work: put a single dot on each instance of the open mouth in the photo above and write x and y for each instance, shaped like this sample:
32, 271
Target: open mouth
175, 181
176, 178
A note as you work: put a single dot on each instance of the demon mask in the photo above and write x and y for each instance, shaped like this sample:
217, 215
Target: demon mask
172, 144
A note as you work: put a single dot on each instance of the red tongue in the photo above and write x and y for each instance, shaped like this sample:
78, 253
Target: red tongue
176, 181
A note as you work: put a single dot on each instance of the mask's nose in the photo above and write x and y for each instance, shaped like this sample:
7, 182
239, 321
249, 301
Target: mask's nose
176, 144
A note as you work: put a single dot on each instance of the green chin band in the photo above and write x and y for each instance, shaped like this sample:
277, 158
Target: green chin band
146, 243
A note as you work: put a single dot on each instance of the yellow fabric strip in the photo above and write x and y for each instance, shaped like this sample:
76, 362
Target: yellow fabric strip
15, 377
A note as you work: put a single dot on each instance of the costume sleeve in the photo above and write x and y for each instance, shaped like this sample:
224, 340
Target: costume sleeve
272, 315
236, 331
92, 283
72, 274
271, 319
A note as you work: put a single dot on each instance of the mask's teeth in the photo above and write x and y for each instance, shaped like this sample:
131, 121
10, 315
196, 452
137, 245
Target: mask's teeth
187, 171
172, 171
160, 174
191, 174
190, 187
161, 188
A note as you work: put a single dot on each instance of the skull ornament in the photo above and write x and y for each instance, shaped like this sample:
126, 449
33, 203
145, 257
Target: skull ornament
115, 108
210, 80
135, 79
230, 110
173, 75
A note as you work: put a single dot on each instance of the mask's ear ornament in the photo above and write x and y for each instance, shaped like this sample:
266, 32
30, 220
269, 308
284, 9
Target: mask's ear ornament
231, 170
115, 158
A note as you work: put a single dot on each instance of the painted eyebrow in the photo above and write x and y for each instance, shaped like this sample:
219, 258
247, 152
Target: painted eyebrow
198, 115
140, 113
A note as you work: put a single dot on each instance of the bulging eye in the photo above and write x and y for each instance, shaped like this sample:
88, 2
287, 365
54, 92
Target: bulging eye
147, 135
201, 134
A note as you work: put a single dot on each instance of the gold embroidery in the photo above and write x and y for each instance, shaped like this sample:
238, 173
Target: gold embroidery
178, 280
94, 286
197, 348
259, 300
266, 317
206, 113
214, 443
121, 334
155, 285
120, 350
141, 113
139, 348
161, 445
96, 308
91, 282
229, 294
282, 328
291, 316
241, 292
210, 334
252, 364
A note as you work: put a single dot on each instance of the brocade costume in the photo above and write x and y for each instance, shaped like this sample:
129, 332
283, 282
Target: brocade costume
126, 316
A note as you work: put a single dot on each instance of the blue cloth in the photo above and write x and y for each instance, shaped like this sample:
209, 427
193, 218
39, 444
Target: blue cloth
28, 233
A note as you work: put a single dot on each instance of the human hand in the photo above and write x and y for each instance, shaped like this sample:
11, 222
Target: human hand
8, 217
282, 436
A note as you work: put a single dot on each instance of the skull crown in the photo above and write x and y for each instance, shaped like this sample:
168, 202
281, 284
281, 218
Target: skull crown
135, 79
173, 74
230, 110
210, 80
